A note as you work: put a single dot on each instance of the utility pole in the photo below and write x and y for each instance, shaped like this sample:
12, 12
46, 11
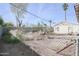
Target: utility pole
76, 7
50, 21
77, 47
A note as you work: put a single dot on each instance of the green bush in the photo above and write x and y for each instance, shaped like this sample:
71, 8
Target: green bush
8, 38
1, 21
8, 26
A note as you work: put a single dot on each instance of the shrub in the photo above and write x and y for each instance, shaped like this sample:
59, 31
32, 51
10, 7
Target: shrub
8, 38
8, 26
1, 21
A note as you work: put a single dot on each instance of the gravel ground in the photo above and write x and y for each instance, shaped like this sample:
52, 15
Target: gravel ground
15, 50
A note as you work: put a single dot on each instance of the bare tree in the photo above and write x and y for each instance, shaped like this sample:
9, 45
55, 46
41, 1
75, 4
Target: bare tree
17, 9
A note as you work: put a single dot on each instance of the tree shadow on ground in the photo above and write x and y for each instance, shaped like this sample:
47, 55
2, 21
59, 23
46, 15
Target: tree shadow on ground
19, 49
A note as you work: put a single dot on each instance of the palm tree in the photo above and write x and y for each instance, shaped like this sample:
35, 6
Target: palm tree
65, 7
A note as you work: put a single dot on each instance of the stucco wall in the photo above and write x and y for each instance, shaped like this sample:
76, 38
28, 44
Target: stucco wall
66, 28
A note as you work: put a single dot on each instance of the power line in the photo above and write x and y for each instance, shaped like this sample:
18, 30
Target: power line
30, 13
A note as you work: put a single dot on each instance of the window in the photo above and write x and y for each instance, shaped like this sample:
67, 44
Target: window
57, 28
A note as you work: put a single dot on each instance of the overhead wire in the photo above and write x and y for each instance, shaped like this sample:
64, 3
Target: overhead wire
30, 13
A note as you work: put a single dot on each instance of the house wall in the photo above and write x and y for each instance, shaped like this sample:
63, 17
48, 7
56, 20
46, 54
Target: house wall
66, 28
61, 29
76, 29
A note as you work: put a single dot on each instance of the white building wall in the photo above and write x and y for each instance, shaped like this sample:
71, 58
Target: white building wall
62, 29
67, 28
75, 29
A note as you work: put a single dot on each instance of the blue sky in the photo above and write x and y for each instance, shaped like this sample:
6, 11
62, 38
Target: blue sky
52, 11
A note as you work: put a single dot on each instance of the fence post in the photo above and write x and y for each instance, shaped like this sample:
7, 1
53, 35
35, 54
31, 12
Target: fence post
77, 46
